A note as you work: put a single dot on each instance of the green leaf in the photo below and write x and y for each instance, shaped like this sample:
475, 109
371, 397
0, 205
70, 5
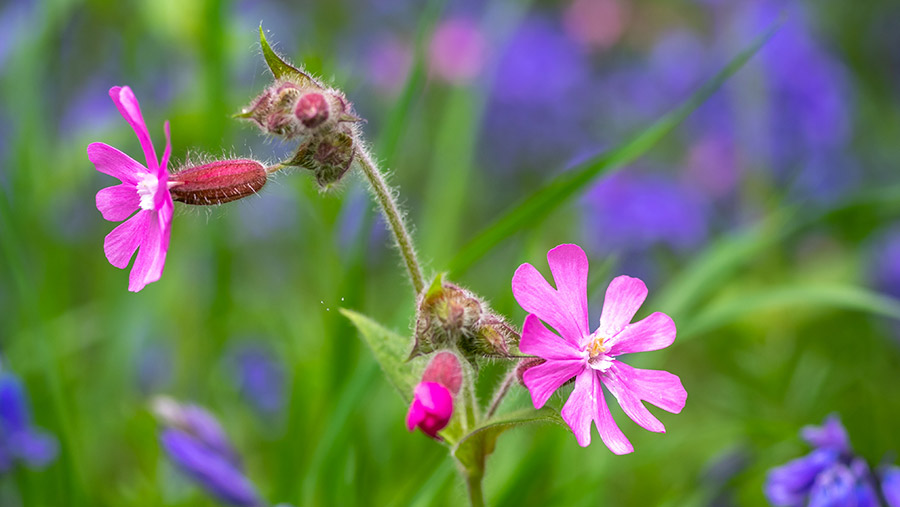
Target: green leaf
390, 350
565, 186
473, 447
282, 69
842, 297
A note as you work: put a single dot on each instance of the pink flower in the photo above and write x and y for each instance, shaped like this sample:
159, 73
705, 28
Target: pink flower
143, 189
431, 408
592, 358
432, 405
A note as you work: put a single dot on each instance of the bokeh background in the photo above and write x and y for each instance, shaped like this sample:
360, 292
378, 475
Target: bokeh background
766, 225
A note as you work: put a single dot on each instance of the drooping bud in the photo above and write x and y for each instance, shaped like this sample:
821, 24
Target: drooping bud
432, 405
329, 155
217, 182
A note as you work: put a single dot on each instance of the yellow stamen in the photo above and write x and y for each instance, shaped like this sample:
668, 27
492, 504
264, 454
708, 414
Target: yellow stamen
596, 347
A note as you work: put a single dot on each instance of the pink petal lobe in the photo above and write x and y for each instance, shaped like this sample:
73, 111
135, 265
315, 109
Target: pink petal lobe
569, 266
150, 259
164, 163
539, 341
630, 402
609, 431
656, 331
120, 244
119, 202
578, 412
113, 162
544, 379
660, 388
129, 108
431, 408
624, 297
536, 296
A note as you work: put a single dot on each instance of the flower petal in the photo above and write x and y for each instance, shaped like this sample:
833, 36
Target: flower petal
609, 431
624, 297
579, 410
890, 485
121, 243
113, 162
163, 164
129, 108
630, 403
569, 266
544, 379
655, 332
151, 258
660, 388
118, 202
539, 341
536, 296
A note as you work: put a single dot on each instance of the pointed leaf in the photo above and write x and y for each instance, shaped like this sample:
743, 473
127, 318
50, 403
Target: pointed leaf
282, 69
565, 186
390, 350
480, 442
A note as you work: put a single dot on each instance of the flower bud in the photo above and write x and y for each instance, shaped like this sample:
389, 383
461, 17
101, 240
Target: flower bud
444, 369
312, 110
446, 314
524, 365
217, 182
431, 409
328, 154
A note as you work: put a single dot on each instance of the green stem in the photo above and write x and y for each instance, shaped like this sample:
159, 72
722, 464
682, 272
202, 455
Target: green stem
474, 480
388, 203
511, 377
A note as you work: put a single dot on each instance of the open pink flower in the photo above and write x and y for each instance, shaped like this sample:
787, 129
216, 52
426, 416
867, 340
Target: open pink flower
592, 357
143, 189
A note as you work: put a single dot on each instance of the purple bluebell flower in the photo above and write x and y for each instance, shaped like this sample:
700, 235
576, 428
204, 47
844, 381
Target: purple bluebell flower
261, 377
536, 115
884, 261
196, 443
631, 211
831, 475
890, 485
20, 441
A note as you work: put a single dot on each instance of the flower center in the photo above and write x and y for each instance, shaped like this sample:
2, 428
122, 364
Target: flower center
595, 353
146, 189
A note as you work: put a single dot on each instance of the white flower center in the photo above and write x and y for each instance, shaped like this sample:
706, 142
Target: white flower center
146, 189
595, 353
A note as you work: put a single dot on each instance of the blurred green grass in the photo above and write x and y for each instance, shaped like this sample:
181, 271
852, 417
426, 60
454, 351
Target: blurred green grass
74, 334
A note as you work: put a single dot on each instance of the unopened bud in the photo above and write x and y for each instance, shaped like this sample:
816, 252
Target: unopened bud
312, 110
447, 314
217, 182
328, 154
444, 368
524, 365
494, 336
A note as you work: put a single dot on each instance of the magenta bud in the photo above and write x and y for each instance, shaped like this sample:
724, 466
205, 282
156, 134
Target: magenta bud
444, 369
431, 409
312, 110
524, 365
217, 182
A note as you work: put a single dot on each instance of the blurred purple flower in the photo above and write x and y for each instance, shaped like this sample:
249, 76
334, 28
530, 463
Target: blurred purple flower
389, 60
890, 485
457, 51
536, 116
884, 261
261, 377
828, 476
631, 211
19, 440
196, 443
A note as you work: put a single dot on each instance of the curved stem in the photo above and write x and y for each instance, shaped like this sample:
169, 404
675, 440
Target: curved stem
474, 480
510, 379
388, 203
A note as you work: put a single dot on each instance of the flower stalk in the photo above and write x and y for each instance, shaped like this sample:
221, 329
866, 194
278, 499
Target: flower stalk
387, 201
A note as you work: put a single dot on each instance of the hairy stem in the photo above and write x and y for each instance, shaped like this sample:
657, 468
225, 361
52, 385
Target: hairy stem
474, 479
501, 392
388, 203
